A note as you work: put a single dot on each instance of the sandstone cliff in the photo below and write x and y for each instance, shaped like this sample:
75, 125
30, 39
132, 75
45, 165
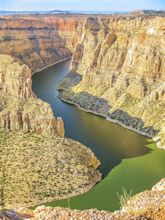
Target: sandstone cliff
20, 109
119, 64
39, 40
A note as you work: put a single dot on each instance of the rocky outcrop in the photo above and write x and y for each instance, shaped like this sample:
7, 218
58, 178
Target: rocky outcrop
20, 109
120, 60
39, 40
144, 206
60, 127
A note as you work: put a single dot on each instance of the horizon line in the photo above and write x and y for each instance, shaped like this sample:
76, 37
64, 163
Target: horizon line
83, 10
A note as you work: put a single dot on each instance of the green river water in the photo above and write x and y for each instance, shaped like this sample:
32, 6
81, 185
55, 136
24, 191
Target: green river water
128, 160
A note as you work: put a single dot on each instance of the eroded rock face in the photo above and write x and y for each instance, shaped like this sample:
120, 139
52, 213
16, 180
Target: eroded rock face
20, 109
60, 127
121, 60
15, 79
40, 40
36, 41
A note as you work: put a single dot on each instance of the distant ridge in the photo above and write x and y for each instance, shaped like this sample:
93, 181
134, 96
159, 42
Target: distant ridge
60, 12
30, 12
136, 12
148, 12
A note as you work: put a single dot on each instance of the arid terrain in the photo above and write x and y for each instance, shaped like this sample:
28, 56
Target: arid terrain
144, 206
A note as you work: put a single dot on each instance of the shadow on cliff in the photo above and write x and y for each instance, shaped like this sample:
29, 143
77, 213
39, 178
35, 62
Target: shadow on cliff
39, 46
133, 123
69, 80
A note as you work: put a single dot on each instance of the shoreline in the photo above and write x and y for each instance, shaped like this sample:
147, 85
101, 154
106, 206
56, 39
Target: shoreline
93, 112
96, 180
50, 65
45, 202
148, 204
111, 120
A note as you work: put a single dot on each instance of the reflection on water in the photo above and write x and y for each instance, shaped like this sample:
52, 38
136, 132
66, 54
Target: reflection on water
110, 142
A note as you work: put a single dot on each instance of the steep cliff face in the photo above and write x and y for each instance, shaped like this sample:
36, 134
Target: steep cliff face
120, 63
20, 110
39, 41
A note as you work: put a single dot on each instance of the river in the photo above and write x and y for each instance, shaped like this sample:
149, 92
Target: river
129, 160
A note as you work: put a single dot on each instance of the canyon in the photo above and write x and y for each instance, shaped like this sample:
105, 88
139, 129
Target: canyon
117, 71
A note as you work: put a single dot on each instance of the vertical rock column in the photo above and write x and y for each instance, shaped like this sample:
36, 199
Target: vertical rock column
60, 127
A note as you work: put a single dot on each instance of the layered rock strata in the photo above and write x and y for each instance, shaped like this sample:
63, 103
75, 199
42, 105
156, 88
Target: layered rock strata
20, 109
40, 40
119, 64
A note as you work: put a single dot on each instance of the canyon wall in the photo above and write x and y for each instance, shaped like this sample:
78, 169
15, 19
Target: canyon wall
118, 71
117, 67
39, 40
19, 108
34, 42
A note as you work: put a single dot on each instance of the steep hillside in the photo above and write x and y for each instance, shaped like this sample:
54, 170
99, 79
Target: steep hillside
118, 71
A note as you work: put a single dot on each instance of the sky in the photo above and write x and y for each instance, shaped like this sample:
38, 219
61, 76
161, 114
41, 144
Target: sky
85, 5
